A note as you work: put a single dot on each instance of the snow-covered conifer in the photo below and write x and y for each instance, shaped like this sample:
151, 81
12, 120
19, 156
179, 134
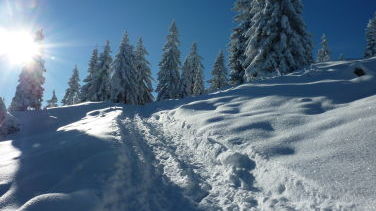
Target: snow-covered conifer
198, 70
277, 39
8, 123
341, 57
324, 53
124, 78
29, 91
219, 74
52, 103
72, 94
88, 90
371, 38
238, 40
102, 78
168, 75
144, 74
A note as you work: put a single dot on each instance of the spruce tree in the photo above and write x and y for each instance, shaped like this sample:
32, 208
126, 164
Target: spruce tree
124, 78
238, 39
371, 38
198, 70
29, 91
102, 78
219, 74
323, 53
277, 39
168, 75
188, 73
88, 90
72, 94
144, 74
3, 111
52, 103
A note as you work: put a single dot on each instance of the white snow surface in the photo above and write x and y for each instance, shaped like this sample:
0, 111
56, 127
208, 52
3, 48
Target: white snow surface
305, 141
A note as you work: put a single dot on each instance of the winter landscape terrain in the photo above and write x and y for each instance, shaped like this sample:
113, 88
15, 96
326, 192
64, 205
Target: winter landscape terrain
303, 141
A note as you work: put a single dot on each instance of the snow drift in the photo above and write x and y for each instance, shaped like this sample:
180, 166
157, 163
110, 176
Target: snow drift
305, 141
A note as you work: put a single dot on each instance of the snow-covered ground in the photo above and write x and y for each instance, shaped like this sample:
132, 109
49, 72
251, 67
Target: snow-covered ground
305, 141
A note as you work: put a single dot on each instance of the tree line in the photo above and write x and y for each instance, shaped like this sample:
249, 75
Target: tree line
270, 39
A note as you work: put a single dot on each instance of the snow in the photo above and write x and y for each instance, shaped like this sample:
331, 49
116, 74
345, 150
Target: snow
303, 141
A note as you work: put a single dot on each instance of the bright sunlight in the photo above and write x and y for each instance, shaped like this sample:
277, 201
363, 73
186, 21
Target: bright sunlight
18, 47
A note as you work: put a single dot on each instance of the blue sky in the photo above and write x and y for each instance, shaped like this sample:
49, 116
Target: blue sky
75, 27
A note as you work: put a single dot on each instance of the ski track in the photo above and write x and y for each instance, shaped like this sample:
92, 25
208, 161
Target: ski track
210, 175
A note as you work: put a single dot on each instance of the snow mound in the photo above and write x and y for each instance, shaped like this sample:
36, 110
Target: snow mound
303, 141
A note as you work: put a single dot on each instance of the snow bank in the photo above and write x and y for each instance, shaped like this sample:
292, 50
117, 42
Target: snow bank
305, 141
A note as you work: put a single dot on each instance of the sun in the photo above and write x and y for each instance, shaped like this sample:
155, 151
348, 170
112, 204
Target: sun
18, 47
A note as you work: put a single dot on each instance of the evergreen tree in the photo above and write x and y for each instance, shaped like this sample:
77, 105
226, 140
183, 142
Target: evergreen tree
144, 74
29, 91
238, 39
168, 75
88, 90
102, 78
72, 94
198, 70
341, 57
52, 103
3, 111
371, 38
277, 39
124, 78
219, 74
8, 123
188, 73
324, 53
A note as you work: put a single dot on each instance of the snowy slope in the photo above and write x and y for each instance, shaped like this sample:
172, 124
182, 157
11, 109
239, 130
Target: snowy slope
305, 141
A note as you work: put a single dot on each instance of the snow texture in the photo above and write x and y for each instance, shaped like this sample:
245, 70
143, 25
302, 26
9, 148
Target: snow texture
303, 141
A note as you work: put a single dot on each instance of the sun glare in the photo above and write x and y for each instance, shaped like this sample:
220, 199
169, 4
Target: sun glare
18, 47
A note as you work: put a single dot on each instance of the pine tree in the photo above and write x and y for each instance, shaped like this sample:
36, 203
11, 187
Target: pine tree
144, 74
3, 111
238, 39
324, 53
341, 57
188, 73
371, 38
277, 39
88, 90
124, 78
29, 91
198, 70
8, 123
219, 74
168, 75
102, 78
72, 94
52, 103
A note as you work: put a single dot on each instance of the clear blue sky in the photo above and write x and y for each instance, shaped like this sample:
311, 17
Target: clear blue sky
75, 27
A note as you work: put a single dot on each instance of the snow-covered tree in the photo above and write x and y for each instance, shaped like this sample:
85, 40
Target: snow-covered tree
88, 90
124, 77
238, 40
371, 38
142, 66
3, 110
72, 94
192, 82
52, 103
198, 70
277, 39
29, 91
188, 73
323, 53
8, 123
341, 57
102, 78
219, 74
168, 75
